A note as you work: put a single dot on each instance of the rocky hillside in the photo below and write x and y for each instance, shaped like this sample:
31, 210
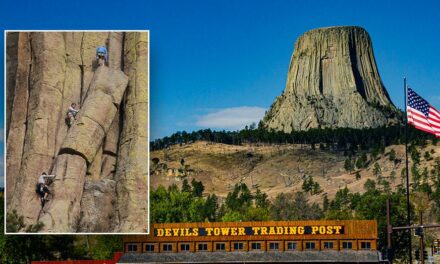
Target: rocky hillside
100, 162
332, 81
275, 169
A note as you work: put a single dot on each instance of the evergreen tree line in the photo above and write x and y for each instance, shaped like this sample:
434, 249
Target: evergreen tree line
426, 183
333, 139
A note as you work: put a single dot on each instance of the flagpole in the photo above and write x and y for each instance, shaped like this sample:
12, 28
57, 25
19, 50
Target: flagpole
408, 206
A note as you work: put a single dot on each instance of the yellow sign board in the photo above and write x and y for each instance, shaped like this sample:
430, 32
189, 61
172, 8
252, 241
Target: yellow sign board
250, 231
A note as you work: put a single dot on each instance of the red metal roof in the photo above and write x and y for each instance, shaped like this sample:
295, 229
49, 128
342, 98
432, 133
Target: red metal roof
116, 257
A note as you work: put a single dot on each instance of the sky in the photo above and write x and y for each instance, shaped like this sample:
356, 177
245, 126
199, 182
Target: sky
220, 64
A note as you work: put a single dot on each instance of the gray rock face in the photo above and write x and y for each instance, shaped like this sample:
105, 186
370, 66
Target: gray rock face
333, 81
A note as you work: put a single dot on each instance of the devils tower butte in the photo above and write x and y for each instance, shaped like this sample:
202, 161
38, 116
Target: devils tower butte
332, 81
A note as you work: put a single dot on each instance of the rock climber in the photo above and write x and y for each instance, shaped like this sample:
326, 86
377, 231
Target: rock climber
42, 188
101, 55
71, 114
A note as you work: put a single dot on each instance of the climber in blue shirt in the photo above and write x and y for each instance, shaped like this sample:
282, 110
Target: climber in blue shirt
101, 55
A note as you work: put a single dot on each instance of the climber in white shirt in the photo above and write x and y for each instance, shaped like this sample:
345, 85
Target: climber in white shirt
42, 188
71, 114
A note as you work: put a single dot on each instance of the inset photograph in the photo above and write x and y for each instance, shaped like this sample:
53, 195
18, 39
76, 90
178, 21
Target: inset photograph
77, 131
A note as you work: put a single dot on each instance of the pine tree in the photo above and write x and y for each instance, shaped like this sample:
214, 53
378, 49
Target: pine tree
197, 188
186, 187
392, 156
377, 170
361, 161
348, 165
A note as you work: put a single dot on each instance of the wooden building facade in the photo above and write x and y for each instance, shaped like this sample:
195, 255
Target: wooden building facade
256, 237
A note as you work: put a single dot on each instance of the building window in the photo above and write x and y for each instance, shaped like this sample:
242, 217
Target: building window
238, 246
256, 246
291, 245
132, 248
365, 245
167, 247
202, 247
184, 247
328, 245
347, 245
220, 247
274, 246
149, 248
310, 245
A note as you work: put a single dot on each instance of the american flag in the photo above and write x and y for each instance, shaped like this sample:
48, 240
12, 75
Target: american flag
422, 115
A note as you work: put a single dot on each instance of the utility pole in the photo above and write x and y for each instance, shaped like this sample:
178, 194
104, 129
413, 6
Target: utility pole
389, 233
419, 231
422, 244
408, 206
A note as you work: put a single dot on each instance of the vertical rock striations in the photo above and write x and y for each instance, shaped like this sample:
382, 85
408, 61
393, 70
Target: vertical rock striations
333, 81
46, 82
82, 143
46, 72
132, 168
19, 99
11, 72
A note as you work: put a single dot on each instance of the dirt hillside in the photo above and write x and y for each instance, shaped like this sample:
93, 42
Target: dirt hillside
272, 168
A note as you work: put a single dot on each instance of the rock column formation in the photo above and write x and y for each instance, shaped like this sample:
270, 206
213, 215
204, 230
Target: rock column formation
18, 72
46, 72
82, 143
43, 107
333, 81
132, 170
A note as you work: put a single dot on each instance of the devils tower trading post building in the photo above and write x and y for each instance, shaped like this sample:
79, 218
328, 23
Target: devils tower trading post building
252, 242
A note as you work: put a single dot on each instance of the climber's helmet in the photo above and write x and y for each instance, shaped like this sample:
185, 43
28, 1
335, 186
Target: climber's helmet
44, 173
101, 52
